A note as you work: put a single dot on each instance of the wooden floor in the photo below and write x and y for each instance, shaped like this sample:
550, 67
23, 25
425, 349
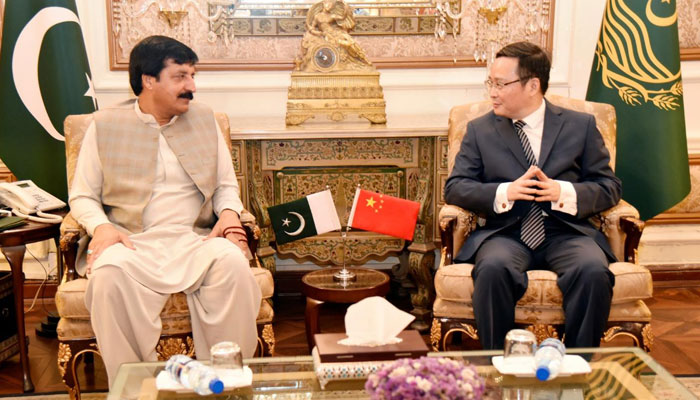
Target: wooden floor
676, 326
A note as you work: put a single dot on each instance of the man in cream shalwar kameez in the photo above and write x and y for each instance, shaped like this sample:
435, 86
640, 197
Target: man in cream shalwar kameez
167, 251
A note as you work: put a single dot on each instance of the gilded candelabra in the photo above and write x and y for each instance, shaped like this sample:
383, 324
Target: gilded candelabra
492, 28
176, 11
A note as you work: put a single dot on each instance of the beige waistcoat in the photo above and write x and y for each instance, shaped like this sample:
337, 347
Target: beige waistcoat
128, 151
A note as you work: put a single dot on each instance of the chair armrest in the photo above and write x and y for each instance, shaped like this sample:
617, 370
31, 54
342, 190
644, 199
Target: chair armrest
623, 229
71, 232
456, 224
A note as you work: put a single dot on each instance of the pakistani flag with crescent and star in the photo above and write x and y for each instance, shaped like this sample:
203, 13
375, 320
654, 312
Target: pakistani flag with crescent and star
309, 216
44, 77
637, 69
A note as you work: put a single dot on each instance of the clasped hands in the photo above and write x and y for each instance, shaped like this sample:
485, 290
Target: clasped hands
105, 235
534, 185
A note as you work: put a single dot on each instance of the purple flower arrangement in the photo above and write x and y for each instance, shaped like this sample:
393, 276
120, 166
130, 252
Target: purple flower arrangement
425, 378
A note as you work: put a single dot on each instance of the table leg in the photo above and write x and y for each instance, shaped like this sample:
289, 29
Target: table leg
15, 256
311, 318
59, 259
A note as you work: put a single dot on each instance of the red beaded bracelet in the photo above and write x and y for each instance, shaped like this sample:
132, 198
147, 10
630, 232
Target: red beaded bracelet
234, 229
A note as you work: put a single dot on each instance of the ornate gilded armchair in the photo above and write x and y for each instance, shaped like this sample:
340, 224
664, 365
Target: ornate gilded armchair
540, 308
75, 334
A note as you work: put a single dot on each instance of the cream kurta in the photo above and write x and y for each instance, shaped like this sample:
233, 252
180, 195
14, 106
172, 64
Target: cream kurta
167, 241
169, 257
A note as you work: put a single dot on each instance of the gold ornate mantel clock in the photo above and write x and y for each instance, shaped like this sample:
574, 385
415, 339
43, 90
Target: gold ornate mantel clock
332, 75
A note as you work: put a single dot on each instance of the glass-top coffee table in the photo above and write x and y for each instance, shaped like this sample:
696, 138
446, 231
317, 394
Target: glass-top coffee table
617, 373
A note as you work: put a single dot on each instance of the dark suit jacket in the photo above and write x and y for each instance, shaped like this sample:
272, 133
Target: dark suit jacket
572, 150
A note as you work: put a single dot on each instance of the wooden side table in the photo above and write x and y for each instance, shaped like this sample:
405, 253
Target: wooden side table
319, 287
13, 244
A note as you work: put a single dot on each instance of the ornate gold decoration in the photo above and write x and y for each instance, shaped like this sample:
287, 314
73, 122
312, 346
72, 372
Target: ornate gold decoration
176, 14
492, 15
616, 331
329, 248
332, 74
467, 329
67, 360
168, 347
543, 331
491, 28
173, 17
402, 152
648, 337
64, 355
470, 331
435, 334
633, 69
268, 335
68, 238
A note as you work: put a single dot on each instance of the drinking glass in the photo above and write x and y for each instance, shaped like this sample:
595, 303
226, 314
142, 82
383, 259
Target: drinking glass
519, 343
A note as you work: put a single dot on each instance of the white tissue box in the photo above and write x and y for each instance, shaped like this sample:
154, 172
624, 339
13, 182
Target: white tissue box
410, 344
343, 371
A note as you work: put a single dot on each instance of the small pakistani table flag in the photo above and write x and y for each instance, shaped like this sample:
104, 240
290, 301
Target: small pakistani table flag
309, 216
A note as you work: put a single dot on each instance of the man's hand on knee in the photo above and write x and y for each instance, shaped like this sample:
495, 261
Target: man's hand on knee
229, 226
105, 236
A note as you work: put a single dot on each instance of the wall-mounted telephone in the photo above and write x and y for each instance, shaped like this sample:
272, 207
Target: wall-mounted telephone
25, 197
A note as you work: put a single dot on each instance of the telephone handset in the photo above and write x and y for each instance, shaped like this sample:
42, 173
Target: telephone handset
25, 197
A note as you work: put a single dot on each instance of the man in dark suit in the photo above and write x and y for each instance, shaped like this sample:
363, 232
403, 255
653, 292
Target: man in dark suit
537, 172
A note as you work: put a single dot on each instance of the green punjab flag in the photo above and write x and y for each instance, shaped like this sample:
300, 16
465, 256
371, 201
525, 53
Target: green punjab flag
309, 216
637, 69
44, 76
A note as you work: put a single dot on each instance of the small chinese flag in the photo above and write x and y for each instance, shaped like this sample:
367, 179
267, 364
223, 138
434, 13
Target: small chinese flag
384, 214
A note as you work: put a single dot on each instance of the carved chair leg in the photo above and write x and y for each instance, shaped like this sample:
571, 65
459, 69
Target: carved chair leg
639, 332
268, 335
266, 341
647, 337
69, 355
444, 328
436, 335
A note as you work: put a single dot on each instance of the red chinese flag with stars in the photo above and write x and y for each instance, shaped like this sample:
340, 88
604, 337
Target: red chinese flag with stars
384, 214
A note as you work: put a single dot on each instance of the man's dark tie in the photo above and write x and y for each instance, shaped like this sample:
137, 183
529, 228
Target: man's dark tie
532, 226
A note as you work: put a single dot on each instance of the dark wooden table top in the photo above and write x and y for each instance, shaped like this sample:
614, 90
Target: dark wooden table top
320, 285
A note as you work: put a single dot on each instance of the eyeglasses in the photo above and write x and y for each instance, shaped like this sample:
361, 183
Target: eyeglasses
500, 85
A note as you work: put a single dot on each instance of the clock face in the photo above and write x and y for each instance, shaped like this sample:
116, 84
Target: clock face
325, 57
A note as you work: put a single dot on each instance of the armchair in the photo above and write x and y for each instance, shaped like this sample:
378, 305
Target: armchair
75, 334
540, 309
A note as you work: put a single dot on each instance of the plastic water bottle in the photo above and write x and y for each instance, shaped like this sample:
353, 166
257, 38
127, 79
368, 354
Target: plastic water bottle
194, 375
548, 359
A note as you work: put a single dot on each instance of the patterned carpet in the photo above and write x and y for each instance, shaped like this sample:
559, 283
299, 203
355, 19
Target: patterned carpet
692, 383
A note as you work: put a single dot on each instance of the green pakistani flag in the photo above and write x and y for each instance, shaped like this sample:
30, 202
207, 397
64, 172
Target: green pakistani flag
44, 76
637, 69
309, 216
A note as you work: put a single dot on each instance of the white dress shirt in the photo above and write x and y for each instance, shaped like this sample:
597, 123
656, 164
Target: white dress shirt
534, 126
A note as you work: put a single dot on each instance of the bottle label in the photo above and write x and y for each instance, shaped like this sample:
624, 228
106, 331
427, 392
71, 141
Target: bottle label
556, 343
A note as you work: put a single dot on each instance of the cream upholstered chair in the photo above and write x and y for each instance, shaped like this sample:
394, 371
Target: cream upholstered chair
540, 309
75, 334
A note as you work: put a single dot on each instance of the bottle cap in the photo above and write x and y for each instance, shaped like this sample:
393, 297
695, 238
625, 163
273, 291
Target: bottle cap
542, 373
216, 386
